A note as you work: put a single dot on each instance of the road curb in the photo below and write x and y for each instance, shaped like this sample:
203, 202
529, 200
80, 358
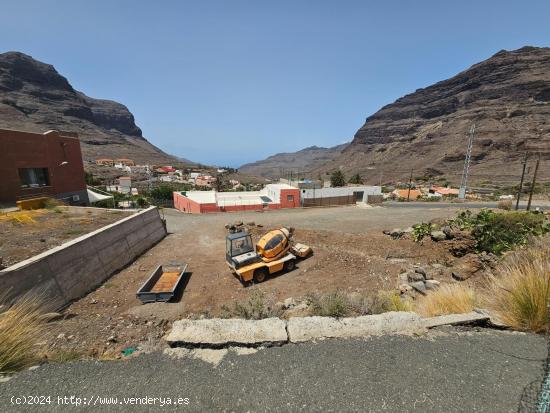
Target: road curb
221, 333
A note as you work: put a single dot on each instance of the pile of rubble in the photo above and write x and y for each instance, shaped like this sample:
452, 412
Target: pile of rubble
418, 280
239, 226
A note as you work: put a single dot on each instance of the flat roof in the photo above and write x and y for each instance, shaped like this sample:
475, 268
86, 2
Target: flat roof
202, 197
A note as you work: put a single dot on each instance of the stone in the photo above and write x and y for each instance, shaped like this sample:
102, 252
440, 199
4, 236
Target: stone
420, 270
447, 231
219, 332
432, 284
314, 328
34, 367
414, 277
396, 233
455, 319
404, 288
419, 286
408, 230
438, 235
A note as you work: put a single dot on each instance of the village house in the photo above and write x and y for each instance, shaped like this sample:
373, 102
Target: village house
45, 164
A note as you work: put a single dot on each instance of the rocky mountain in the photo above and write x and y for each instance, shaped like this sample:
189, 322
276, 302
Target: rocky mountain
507, 97
35, 97
301, 161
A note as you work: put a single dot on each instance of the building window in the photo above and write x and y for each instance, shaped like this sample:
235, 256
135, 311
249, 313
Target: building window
33, 177
290, 198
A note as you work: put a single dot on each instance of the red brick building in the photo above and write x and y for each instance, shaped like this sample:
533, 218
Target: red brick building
47, 164
273, 196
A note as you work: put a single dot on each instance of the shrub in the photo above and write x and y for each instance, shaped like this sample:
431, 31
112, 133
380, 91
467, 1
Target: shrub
22, 325
337, 179
333, 304
448, 299
256, 307
497, 232
520, 293
421, 230
390, 301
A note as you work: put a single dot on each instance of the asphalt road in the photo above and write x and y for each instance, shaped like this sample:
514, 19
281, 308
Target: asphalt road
447, 371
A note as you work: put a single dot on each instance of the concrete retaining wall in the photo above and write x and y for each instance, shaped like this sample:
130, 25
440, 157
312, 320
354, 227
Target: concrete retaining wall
71, 270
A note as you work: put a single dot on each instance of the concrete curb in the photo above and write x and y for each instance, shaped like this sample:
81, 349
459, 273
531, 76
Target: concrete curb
218, 333
222, 332
313, 328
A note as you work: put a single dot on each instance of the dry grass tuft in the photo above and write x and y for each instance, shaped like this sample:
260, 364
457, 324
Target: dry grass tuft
22, 325
448, 299
520, 293
256, 307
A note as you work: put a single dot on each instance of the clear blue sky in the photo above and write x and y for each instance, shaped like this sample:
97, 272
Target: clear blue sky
228, 82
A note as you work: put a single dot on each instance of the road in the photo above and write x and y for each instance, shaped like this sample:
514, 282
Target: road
347, 219
446, 371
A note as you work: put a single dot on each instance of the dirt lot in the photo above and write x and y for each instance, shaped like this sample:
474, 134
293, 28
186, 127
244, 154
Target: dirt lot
350, 253
28, 233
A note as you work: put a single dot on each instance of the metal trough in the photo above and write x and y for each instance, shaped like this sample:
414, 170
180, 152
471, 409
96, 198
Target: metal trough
163, 283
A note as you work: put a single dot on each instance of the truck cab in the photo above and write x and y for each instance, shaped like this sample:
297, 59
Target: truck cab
239, 249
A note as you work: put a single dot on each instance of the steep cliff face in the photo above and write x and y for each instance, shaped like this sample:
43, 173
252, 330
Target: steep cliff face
281, 164
507, 97
35, 97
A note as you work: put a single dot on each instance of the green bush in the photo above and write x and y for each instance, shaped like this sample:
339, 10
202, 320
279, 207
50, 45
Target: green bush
498, 232
421, 230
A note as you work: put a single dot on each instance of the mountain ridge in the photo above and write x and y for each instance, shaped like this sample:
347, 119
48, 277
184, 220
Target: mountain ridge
34, 97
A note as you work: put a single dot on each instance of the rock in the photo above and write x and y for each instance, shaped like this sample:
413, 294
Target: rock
431, 284
61, 336
238, 223
404, 288
396, 233
414, 277
386, 232
34, 367
419, 286
93, 301
313, 328
460, 276
4, 379
455, 319
420, 270
447, 231
438, 266
408, 230
217, 332
438, 235
251, 224
404, 277
112, 339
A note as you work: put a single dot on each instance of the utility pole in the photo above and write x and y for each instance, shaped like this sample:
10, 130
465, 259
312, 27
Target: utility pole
410, 185
533, 183
521, 181
464, 182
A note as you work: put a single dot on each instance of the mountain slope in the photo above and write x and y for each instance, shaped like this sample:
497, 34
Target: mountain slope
35, 97
508, 98
281, 164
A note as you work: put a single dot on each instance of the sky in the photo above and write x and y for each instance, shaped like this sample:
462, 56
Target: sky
230, 82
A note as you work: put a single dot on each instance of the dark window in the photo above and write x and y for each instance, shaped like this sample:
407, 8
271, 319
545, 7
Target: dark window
290, 198
33, 177
273, 242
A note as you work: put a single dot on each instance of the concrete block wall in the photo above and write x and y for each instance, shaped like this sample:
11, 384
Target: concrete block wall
68, 272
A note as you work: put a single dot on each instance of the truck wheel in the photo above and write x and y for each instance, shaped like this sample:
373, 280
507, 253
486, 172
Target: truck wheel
290, 265
260, 275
